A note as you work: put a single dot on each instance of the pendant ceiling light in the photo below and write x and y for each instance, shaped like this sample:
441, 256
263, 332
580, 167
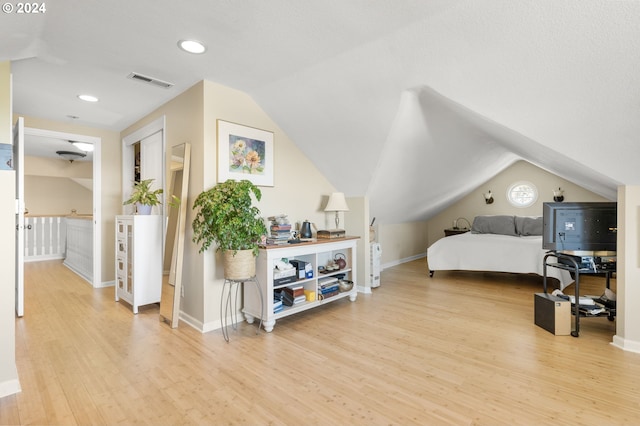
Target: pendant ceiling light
71, 156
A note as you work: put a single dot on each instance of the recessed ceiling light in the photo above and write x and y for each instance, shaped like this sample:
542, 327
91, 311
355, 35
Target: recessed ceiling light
88, 98
192, 46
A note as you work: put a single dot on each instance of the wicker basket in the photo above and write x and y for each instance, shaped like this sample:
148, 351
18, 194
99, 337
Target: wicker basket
240, 266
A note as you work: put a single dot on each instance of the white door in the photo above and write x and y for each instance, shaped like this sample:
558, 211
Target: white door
18, 165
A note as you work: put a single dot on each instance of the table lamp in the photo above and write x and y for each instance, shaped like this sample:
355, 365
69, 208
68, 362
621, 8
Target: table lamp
337, 203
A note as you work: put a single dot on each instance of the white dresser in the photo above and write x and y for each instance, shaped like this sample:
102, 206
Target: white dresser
138, 259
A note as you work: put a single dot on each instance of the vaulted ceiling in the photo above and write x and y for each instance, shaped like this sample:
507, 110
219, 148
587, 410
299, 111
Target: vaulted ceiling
414, 103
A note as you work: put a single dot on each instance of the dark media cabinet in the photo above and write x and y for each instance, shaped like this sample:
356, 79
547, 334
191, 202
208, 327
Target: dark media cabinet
569, 263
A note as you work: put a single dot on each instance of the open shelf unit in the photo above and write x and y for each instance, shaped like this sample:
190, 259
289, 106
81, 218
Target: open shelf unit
316, 253
570, 264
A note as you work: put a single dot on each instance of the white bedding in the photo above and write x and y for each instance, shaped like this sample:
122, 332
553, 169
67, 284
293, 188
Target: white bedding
492, 252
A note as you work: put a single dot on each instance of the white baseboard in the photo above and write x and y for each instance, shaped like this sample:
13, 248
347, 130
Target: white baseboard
209, 326
43, 258
9, 387
404, 260
625, 344
192, 322
204, 327
364, 290
105, 284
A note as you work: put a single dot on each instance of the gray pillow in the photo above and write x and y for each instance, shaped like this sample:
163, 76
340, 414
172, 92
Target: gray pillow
528, 225
498, 224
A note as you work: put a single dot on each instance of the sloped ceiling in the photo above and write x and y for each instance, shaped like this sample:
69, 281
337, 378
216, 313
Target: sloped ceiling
413, 103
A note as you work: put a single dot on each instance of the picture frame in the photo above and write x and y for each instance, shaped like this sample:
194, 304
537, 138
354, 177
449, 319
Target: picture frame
244, 153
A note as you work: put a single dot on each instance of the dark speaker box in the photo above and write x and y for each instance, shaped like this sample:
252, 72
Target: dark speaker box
552, 313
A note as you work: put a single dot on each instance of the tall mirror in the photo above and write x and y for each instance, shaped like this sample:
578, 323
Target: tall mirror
176, 213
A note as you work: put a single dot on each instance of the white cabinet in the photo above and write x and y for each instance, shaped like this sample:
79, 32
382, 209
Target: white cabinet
317, 254
138, 259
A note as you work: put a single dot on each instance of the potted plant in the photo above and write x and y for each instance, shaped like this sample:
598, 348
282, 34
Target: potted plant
144, 197
226, 216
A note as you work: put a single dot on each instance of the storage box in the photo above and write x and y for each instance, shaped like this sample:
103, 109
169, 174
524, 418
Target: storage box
284, 277
552, 313
300, 266
330, 234
277, 273
310, 295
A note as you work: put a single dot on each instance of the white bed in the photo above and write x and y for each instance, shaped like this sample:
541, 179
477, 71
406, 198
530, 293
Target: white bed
492, 252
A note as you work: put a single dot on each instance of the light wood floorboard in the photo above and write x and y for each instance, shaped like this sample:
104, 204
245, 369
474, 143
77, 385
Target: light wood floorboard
457, 349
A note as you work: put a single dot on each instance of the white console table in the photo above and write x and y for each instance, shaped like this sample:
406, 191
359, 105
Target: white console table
317, 253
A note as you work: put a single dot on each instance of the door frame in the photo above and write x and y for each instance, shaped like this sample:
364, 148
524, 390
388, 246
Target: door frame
97, 192
157, 125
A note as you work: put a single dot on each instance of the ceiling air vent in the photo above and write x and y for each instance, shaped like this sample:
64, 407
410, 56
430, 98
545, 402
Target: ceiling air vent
149, 80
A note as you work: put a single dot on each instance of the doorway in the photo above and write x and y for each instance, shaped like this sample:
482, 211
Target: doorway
48, 144
143, 157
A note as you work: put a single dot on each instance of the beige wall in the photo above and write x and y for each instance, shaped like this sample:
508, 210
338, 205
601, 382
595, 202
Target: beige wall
49, 188
56, 196
40, 166
407, 241
110, 182
628, 275
474, 204
356, 222
184, 118
299, 191
401, 242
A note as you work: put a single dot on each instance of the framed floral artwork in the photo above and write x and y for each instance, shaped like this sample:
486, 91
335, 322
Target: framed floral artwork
245, 153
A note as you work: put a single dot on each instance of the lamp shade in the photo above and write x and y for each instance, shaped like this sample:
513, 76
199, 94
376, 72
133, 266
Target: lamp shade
337, 203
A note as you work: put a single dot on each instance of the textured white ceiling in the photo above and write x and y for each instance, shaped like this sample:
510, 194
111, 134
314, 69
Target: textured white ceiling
395, 89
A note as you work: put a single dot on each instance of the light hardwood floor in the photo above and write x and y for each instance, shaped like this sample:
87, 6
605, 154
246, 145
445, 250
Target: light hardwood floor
460, 348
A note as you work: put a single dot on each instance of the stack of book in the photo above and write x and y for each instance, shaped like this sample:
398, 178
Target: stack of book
328, 287
280, 234
284, 276
277, 304
293, 295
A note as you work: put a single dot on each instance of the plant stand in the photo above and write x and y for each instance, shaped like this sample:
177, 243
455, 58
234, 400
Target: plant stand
229, 303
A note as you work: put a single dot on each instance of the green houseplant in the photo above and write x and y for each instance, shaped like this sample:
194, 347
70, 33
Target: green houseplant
226, 216
142, 195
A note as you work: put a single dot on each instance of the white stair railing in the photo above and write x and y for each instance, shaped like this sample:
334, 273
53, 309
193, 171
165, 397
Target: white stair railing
44, 238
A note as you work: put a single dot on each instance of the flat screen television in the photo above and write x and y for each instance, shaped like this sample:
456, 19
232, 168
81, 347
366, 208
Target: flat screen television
580, 226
